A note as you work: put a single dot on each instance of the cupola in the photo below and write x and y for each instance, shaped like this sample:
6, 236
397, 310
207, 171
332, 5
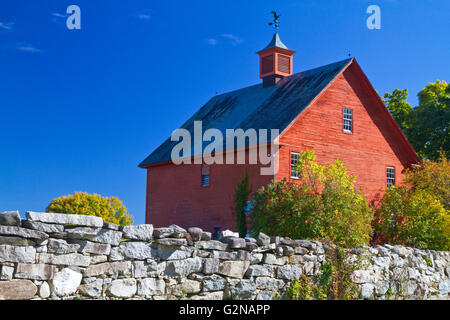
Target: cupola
275, 61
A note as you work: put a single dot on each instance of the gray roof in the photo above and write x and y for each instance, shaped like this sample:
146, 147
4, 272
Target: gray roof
275, 42
273, 107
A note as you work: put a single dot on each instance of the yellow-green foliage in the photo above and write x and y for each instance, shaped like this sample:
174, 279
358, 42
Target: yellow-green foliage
418, 213
413, 218
432, 177
111, 209
324, 204
335, 281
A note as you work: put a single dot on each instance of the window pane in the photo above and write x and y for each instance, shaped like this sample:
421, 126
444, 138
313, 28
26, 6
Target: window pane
294, 161
348, 120
390, 176
205, 180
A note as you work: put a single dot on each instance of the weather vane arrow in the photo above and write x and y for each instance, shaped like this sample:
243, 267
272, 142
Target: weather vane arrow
275, 23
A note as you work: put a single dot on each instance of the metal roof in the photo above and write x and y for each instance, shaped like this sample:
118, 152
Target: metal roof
273, 107
275, 42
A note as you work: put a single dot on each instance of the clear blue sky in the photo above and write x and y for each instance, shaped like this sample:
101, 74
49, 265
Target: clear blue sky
79, 109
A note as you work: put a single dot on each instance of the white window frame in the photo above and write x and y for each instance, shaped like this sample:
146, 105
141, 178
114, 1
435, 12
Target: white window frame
390, 176
295, 154
348, 120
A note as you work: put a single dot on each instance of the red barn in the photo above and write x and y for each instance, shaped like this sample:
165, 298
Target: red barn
333, 110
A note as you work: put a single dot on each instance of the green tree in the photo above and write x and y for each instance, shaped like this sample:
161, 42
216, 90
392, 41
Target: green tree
431, 121
111, 209
399, 108
427, 126
241, 193
325, 203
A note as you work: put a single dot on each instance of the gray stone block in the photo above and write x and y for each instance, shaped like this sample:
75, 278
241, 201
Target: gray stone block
10, 218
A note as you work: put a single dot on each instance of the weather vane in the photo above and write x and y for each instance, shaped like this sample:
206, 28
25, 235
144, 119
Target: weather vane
275, 23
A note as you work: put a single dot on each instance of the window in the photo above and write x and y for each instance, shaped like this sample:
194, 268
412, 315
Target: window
205, 180
205, 176
390, 176
348, 120
294, 161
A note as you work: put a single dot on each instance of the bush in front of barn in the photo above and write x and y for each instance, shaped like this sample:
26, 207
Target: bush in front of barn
323, 204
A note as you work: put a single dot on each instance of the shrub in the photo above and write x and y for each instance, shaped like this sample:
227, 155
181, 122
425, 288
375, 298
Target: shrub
111, 209
432, 177
413, 218
324, 203
335, 281
283, 209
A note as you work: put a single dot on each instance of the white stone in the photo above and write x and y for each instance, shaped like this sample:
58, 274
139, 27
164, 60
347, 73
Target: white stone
35, 235
174, 252
289, 272
123, 288
266, 295
214, 283
367, 290
260, 271
172, 231
92, 289
256, 258
382, 287
98, 259
108, 236
234, 269
444, 287
44, 227
137, 250
141, 232
17, 290
410, 288
35, 271
210, 265
268, 283
228, 233
244, 290
44, 290
382, 262
70, 259
211, 245
61, 246
109, 268
361, 276
217, 295
6, 272
182, 268
263, 239
95, 248
151, 287
17, 254
62, 218
188, 287
66, 282
270, 258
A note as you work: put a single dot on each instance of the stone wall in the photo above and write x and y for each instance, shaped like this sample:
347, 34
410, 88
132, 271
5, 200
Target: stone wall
59, 256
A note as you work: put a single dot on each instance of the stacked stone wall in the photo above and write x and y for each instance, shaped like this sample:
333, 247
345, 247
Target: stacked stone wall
60, 256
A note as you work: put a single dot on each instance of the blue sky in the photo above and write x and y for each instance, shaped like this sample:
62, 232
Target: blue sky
79, 109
